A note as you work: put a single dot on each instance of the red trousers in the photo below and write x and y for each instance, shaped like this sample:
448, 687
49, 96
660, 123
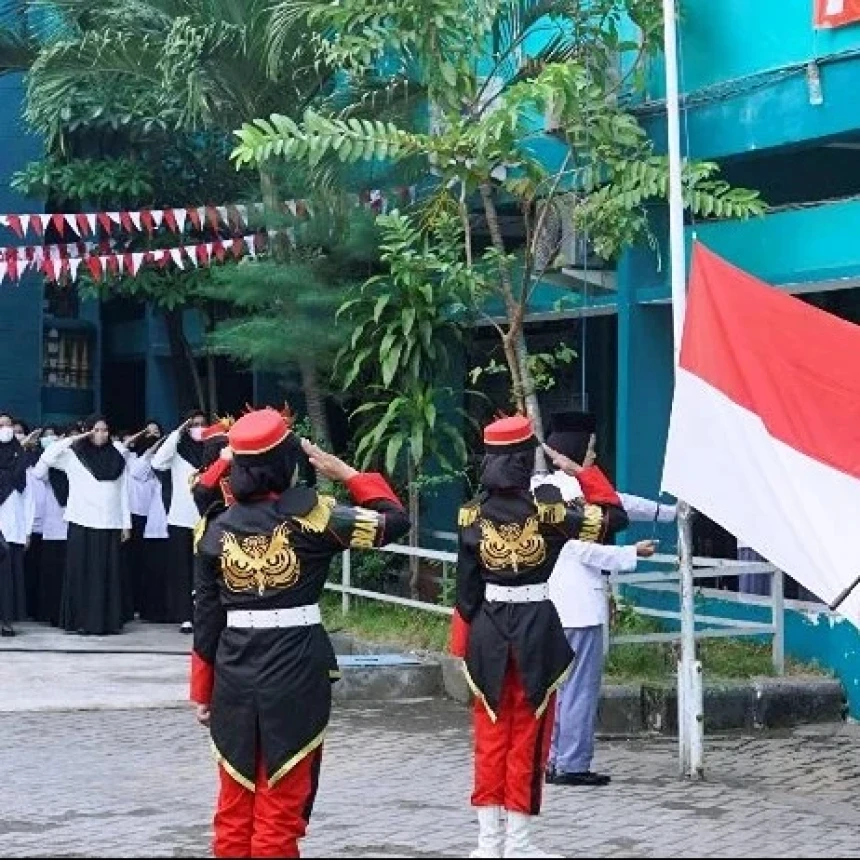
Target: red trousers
511, 754
267, 822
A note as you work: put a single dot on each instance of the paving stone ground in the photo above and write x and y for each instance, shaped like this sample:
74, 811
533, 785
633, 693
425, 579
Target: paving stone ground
118, 768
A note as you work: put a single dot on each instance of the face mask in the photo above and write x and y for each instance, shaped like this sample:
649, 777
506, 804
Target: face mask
46, 441
196, 433
7, 434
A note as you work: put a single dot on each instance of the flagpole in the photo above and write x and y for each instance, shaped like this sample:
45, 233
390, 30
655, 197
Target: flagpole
690, 695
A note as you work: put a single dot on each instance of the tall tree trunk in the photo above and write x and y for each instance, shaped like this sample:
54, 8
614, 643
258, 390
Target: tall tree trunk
190, 393
314, 398
516, 351
414, 530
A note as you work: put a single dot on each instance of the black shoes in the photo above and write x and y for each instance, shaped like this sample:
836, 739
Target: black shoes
7, 632
586, 778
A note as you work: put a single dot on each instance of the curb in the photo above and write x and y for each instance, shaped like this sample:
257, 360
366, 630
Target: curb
754, 705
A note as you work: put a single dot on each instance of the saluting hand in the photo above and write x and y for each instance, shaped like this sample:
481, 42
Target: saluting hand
565, 464
328, 465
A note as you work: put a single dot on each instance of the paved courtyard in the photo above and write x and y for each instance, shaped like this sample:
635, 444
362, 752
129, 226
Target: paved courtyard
99, 758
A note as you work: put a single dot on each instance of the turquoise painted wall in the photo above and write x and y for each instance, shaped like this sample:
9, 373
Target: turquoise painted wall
730, 39
21, 303
810, 636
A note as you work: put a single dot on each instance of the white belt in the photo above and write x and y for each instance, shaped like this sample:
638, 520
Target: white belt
517, 593
298, 616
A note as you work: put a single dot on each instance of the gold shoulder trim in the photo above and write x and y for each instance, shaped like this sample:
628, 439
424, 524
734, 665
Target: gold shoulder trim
316, 520
592, 523
199, 531
468, 514
551, 513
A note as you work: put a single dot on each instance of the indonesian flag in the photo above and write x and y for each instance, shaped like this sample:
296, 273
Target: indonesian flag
836, 13
765, 430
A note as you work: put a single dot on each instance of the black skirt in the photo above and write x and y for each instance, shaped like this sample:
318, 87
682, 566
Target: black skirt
153, 587
51, 576
32, 572
12, 585
180, 574
92, 590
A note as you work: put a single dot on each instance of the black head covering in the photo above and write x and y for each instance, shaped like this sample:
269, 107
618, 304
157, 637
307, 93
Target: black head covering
13, 469
103, 462
508, 473
143, 443
273, 472
59, 482
570, 433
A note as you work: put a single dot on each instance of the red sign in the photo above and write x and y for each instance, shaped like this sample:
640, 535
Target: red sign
836, 13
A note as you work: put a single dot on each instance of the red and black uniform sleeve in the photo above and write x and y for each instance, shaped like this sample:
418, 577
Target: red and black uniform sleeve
211, 486
470, 596
377, 518
210, 618
597, 488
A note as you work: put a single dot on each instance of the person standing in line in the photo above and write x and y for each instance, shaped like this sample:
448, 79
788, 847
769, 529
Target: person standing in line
99, 522
55, 531
142, 486
262, 665
578, 590
17, 512
508, 631
29, 441
177, 459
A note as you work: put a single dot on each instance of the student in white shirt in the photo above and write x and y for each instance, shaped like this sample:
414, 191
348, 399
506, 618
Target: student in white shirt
578, 590
99, 521
55, 530
17, 513
147, 549
178, 458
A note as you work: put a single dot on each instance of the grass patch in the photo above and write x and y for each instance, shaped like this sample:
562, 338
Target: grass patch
414, 629
382, 623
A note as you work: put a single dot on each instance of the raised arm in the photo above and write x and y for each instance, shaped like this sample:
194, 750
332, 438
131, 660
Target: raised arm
162, 459
642, 510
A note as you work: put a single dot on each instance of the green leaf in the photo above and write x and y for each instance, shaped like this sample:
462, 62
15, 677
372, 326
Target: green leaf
392, 451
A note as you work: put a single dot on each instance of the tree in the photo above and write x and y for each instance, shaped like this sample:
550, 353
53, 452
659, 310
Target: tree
154, 69
404, 324
287, 308
491, 97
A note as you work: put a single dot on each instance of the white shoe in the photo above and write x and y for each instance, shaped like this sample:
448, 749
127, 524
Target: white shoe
518, 840
491, 838
186, 627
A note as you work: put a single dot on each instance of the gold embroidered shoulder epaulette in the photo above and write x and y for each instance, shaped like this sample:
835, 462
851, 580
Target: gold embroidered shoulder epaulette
551, 508
468, 514
317, 519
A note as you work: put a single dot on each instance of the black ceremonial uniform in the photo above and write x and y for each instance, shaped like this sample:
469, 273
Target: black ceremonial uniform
515, 540
273, 686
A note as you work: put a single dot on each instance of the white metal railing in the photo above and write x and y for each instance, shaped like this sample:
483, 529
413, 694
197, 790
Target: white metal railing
703, 568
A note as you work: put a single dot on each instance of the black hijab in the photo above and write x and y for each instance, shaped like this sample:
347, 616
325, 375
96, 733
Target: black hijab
570, 434
103, 462
59, 482
254, 477
194, 453
143, 443
508, 473
13, 469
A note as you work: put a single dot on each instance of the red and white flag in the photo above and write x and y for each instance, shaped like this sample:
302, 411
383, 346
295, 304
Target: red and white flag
765, 430
836, 13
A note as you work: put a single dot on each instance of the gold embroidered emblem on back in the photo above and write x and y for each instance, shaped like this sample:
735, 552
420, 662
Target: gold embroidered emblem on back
511, 545
259, 561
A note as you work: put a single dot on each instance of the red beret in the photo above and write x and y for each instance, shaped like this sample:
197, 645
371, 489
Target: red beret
258, 432
508, 435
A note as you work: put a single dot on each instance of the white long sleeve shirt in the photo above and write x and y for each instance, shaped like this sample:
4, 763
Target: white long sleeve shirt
17, 514
141, 473
37, 489
183, 511
641, 510
54, 525
93, 504
577, 586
